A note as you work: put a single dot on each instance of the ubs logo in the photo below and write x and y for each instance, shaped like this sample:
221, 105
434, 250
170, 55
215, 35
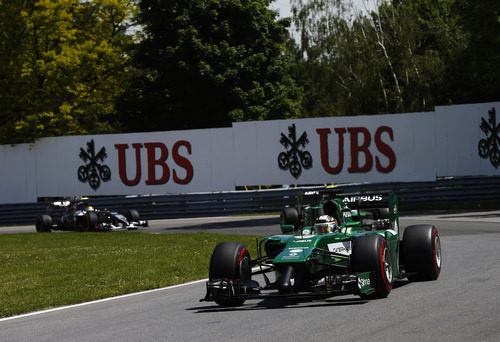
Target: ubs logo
489, 147
93, 171
295, 158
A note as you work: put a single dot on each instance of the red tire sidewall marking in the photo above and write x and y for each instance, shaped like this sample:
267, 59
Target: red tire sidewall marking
387, 285
242, 253
434, 259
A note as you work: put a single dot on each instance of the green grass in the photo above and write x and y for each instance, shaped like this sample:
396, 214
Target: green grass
40, 271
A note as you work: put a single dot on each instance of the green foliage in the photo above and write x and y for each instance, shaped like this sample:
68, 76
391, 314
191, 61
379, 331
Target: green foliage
207, 64
104, 66
475, 72
406, 56
62, 64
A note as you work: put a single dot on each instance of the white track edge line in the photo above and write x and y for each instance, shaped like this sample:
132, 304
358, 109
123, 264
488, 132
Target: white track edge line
41, 312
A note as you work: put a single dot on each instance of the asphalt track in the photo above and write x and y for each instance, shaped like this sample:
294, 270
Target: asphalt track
462, 305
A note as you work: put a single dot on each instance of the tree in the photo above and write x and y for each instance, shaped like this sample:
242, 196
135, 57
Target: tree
208, 63
474, 75
62, 65
414, 41
395, 59
322, 29
338, 63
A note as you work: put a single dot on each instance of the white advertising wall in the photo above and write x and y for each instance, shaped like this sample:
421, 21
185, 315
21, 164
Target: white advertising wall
381, 148
17, 174
459, 136
138, 163
461, 140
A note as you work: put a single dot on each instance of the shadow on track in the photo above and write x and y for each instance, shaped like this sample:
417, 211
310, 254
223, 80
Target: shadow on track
281, 303
293, 303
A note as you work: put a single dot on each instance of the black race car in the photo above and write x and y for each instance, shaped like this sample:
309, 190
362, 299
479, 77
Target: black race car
80, 216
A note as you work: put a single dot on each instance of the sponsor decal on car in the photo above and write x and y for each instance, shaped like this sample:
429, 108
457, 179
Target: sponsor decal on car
295, 252
368, 198
343, 247
364, 282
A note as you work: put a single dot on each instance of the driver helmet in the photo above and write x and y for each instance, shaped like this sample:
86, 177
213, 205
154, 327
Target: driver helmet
89, 208
324, 224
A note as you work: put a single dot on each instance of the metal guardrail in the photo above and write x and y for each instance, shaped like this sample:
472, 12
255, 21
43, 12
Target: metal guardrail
448, 190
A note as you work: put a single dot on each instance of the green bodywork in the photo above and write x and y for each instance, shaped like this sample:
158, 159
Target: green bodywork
314, 254
339, 244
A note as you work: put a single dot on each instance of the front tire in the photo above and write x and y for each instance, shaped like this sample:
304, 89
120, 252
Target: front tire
90, 223
132, 215
371, 253
230, 260
421, 252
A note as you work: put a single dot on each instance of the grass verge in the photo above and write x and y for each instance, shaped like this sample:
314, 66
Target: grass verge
40, 271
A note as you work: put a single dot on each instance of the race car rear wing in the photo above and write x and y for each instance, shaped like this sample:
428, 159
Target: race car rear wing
57, 208
383, 206
375, 211
61, 203
370, 200
382, 199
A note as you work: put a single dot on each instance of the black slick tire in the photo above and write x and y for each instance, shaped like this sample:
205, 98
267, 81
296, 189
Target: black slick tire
132, 215
370, 253
230, 260
421, 252
381, 214
43, 223
90, 222
289, 216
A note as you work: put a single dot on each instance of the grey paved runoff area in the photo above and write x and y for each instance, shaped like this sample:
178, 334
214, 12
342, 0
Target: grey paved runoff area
462, 305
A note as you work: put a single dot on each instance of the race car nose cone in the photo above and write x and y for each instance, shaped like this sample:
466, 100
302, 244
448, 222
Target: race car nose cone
286, 281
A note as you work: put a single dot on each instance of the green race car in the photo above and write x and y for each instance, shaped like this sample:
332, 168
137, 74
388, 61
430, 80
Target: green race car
340, 245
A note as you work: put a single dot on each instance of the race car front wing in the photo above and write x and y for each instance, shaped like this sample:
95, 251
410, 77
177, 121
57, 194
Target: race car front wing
360, 283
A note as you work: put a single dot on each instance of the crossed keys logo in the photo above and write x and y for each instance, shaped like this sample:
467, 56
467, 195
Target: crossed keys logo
489, 146
294, 159
92, 172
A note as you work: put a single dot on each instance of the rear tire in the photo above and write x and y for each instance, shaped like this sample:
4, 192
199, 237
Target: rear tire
421, 252
370, 253
290, 216
230, 260
90, 222
381, 214
43, 224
